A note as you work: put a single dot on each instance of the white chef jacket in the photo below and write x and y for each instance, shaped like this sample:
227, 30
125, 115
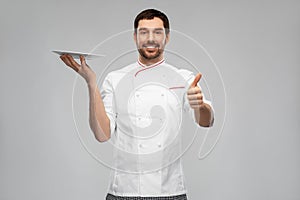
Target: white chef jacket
145, 105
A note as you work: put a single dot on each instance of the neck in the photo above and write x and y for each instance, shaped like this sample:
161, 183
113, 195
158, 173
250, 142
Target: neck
148, 62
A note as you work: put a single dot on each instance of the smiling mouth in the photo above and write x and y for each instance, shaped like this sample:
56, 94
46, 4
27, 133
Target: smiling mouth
151, 49
150, 46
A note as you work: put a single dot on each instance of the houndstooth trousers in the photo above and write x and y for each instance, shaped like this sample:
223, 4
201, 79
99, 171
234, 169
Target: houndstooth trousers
177, 197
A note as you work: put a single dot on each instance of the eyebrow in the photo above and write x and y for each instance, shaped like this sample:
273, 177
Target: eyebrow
156, 29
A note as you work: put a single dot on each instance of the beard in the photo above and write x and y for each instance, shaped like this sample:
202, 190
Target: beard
145, 54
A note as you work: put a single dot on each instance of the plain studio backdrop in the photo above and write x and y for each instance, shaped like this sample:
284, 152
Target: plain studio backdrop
255, 45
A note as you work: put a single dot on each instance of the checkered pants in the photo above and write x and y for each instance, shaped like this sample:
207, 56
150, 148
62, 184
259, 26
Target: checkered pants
177, 197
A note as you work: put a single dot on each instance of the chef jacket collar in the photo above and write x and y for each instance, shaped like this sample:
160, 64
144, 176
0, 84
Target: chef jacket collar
150, 66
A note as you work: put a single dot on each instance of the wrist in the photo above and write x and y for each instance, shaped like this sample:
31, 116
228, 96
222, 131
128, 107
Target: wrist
204, 107
92, 84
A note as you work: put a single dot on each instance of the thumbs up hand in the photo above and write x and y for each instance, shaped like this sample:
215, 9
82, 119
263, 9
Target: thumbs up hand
194, 93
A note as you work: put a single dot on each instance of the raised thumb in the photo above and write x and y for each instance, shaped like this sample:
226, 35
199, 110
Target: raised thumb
196, 80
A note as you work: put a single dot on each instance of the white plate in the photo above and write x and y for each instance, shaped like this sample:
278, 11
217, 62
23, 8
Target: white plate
76, 55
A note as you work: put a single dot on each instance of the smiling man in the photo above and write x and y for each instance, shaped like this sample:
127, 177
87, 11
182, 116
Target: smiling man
147, 159
150, 37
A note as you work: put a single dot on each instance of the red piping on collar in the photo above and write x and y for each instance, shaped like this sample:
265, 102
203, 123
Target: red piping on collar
147, 67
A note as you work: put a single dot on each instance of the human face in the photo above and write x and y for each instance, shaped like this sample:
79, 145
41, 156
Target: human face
151, 38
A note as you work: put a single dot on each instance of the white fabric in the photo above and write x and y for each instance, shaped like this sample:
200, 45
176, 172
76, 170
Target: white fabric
145, 105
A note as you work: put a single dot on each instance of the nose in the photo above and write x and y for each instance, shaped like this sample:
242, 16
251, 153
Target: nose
151, 36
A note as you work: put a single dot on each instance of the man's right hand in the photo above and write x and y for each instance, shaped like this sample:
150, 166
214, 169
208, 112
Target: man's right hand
84, 70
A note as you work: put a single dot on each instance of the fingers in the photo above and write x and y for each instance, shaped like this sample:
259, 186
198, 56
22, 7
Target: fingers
69, 61
65, 60
196, 80
197, 106
195, 97
195, 100
82, 60
194, 94
73, 62
194, 90
196, 103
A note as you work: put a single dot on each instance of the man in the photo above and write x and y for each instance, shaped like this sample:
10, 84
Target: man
147, 167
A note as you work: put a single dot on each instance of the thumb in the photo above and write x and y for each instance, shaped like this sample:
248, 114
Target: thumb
196, 80
82, 60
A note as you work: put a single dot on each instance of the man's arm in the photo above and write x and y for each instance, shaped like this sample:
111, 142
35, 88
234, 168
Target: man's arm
99, 122
98, 119
204, 115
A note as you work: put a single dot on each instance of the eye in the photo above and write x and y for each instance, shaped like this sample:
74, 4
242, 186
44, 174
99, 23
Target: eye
143, 32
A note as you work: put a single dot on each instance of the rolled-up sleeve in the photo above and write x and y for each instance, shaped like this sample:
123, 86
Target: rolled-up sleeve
107, 94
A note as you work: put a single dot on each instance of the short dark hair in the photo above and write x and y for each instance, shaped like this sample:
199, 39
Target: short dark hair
150, 14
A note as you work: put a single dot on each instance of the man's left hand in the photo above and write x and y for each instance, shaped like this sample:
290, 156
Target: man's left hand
194, 93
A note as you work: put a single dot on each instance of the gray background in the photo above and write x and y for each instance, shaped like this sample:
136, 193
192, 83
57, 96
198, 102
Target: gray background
254, 43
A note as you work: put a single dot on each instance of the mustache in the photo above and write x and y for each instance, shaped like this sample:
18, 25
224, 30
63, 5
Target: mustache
151, 44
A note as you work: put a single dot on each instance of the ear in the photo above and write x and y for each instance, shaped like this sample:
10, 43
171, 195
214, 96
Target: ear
167, 37
134, 37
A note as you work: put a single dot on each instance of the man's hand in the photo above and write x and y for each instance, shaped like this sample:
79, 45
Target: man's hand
194, 93
84, 70
203, 112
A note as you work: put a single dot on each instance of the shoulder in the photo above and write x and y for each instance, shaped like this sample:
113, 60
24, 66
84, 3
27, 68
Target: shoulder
123, 70
186, 74
115, 76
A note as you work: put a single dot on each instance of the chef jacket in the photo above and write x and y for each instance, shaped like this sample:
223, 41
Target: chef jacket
145, 105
